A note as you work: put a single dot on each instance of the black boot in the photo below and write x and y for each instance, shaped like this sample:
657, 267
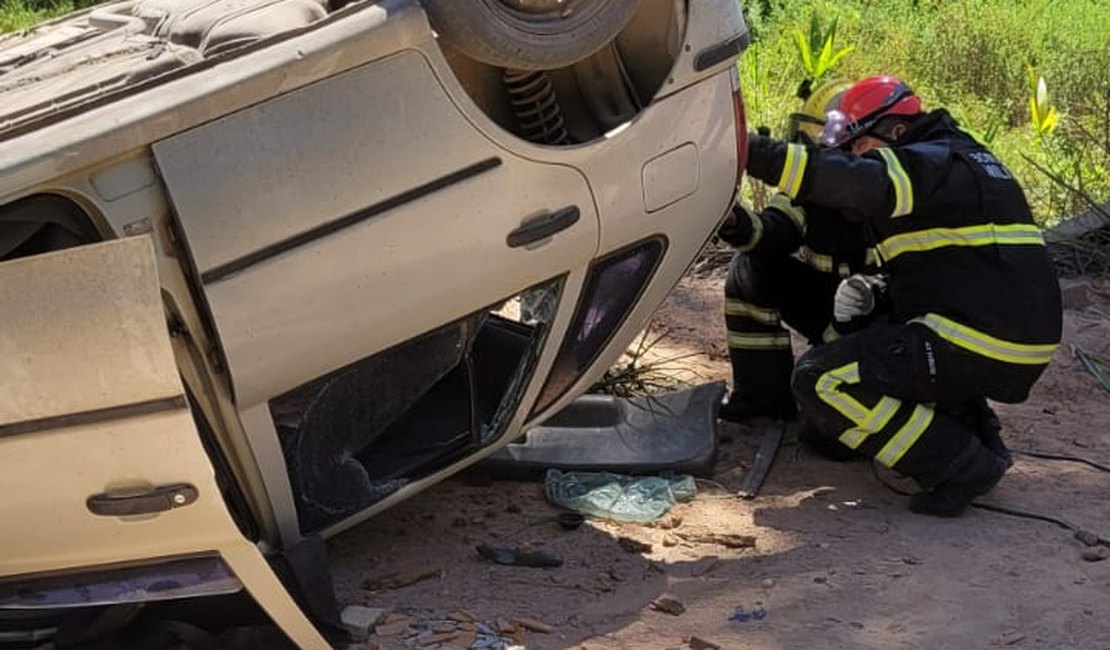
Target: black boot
974, 478
739, 409
825, 447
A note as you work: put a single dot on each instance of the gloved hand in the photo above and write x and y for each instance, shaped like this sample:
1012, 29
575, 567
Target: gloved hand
856, 296
737, 229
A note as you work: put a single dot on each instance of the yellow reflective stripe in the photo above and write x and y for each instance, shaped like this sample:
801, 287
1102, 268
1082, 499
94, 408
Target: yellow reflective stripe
985, 344
793, 169
828, 389
748, 341
903, 188
782, 203
867, 421
880, 416
871, 257
901, 442
990, 234
734, 307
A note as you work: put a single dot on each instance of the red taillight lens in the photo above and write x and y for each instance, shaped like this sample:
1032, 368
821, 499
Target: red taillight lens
741, 126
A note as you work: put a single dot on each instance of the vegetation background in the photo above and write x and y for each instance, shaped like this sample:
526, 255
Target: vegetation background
981, 59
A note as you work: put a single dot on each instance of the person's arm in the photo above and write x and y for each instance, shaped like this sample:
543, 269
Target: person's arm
777, 230
859, 187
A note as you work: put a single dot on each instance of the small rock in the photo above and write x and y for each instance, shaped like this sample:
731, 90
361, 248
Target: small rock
1087, 537
768, 583
698, 643
671, 521
359, 620
668, 605
1097, 554
505, 627
435, 639
856, 624
466, 639
669, 540
820, 580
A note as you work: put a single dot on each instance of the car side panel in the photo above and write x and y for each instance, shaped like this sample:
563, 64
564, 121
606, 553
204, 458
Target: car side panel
339, 219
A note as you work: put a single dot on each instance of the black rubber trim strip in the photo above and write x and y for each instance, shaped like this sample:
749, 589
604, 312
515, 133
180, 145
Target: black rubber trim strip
723, 51
95, 416
323, 230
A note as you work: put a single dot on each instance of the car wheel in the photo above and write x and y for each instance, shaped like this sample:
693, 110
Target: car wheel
529, 34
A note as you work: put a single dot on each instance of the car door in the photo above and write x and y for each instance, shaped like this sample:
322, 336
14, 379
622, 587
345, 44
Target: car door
350, 215
101, 465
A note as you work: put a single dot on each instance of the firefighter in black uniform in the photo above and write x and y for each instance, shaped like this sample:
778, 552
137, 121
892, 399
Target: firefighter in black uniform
975, 304
789, 262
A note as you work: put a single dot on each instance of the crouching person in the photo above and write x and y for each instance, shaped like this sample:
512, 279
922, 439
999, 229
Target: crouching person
975, 305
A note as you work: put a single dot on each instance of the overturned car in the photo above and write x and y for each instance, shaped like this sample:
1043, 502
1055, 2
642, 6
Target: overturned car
268, 268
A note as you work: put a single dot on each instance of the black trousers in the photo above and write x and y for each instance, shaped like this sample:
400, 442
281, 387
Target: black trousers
762, 294
905, 396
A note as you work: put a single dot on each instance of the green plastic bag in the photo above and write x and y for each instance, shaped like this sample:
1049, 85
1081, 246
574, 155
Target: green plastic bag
615, 496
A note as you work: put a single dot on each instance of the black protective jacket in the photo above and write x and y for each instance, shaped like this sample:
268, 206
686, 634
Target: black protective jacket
815, 235
952, 228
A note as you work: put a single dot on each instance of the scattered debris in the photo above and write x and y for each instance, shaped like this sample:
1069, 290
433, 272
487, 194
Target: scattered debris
534, 625
741, 615
359, 620
633, 545
392, 629
1008, 639
404, 577
1087, 537
518, 557
668, 605
698, 643
728, 540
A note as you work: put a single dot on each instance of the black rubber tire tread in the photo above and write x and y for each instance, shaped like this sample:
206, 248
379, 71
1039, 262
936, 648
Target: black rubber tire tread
488, 31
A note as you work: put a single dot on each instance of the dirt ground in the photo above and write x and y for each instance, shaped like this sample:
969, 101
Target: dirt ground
838, 562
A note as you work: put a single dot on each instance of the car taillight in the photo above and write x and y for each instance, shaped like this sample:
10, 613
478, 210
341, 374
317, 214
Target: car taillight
612, 287
741, 125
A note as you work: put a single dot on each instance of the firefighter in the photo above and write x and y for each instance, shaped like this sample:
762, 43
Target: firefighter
789, 262
975, 305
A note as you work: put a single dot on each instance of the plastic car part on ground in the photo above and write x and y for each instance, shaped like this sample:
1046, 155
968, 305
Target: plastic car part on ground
614, 496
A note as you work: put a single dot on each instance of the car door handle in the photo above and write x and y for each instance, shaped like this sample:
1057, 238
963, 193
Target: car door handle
543, 227
145, 502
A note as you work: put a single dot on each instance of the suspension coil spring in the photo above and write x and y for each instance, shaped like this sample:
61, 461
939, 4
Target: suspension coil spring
537, 111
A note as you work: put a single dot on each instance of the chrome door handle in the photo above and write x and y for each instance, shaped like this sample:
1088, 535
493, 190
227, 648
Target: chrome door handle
156, 499
543, 227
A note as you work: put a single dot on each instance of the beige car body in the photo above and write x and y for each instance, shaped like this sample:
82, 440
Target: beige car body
202, 185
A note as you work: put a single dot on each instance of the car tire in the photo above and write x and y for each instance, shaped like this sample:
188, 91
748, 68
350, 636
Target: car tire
501, 33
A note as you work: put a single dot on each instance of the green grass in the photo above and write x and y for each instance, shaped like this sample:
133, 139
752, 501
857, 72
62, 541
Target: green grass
20, 14
968, 56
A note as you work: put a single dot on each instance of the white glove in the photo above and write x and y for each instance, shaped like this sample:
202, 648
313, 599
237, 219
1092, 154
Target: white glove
856, 296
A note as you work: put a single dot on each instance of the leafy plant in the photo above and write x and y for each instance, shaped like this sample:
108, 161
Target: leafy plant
1042, 112
817, 50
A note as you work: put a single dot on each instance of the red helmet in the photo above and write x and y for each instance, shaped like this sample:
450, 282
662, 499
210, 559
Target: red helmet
864, 104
